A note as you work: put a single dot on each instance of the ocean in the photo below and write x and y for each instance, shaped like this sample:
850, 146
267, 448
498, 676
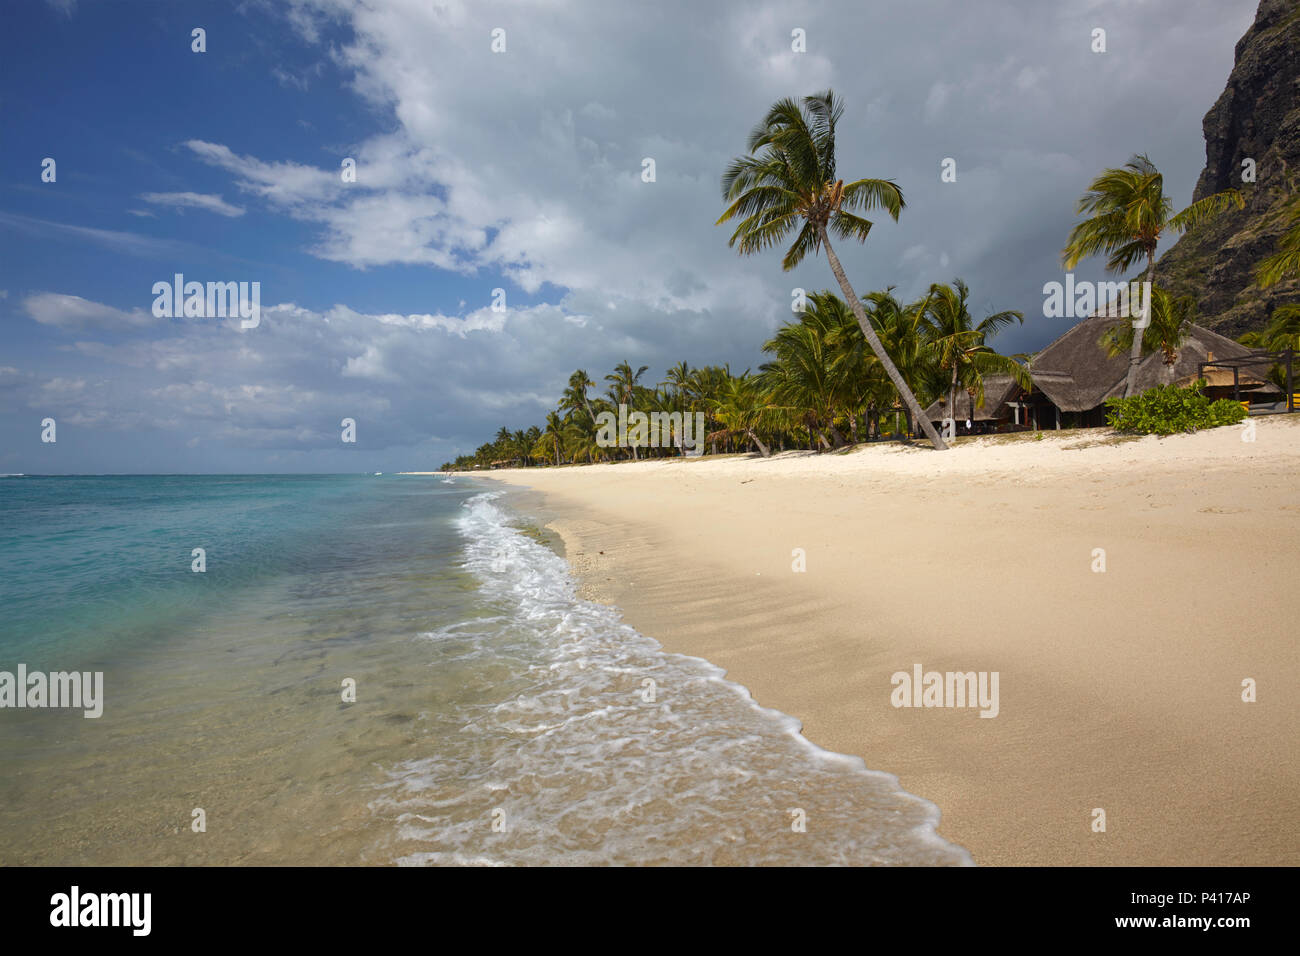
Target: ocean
381, 670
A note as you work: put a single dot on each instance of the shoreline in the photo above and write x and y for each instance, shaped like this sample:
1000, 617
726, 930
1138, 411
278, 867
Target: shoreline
1119, 690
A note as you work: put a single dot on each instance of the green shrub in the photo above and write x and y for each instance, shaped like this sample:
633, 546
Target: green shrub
1166, 410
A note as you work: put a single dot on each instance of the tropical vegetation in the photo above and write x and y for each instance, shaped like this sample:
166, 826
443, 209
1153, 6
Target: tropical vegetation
1168, 409
848, 367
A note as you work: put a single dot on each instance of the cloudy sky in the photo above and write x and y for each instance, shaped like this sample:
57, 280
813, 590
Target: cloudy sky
518, 170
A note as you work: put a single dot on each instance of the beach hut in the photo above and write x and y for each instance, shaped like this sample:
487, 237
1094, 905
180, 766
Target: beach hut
1073, 376
999, 411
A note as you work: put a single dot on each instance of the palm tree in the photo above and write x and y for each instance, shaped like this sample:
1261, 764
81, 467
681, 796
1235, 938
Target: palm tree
1170, 323
792, 183
1282, 333
741, 409
705, 386
859, 374
552, 440
806, 378
1285, 263
901, 330
623, 386
679, 377
959, 343
521, 447
575, 396
1129, 210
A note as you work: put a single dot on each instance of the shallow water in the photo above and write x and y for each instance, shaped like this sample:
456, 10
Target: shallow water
499, 719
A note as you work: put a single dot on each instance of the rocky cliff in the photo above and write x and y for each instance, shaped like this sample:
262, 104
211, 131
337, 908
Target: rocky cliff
1257, 117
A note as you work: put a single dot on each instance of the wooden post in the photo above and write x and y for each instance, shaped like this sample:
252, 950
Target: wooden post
1290, 380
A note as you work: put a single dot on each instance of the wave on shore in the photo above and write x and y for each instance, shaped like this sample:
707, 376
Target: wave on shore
573, 739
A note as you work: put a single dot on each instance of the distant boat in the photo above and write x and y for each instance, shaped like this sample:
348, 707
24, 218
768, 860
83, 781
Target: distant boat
378, 473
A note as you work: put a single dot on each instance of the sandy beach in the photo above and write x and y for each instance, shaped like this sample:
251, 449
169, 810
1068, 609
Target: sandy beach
1120, 690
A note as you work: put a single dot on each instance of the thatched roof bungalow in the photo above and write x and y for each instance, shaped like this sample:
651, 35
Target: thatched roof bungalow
1075, 376
994, 413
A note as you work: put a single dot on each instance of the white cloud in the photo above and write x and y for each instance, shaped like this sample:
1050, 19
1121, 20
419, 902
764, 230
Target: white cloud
286, 384
300, 81
205, 201
128, 243
73, 312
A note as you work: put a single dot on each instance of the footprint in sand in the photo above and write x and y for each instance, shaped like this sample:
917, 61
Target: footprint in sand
1221, 511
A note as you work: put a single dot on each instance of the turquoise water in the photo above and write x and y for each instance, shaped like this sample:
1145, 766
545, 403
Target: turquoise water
498, 719
93, 566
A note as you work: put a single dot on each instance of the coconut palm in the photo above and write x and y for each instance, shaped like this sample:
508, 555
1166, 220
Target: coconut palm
520, 446
1285, 263
901, 331
679, 378
1170, 323
1128, 210
623, 388
706, 386
806, 376
960, 343
1281, 333
741, 409
792, 184
859, 373
575, 396
551, 443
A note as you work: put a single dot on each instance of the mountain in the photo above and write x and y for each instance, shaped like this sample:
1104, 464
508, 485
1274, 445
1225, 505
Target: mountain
1257, 117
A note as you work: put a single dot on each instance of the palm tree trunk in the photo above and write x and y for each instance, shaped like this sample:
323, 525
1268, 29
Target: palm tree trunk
1135, 354
952, 401
874, 341
762, 449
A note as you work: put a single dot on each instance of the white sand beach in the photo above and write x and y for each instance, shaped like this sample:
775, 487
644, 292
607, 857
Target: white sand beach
1119, 690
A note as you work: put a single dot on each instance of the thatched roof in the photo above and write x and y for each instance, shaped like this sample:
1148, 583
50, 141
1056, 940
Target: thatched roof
1077, 375
998, 390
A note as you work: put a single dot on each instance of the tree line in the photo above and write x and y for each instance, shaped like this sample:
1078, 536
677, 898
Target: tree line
846, 365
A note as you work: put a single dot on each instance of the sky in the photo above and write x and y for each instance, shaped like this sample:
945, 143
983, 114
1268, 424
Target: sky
502, 146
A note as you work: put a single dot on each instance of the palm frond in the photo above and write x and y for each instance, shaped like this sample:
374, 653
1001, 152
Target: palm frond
1205, 209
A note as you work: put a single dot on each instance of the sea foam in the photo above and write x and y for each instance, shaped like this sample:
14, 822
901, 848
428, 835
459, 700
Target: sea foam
561, 754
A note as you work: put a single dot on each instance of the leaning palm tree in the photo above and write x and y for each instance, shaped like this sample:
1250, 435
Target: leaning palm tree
1169, 326
792, 184
1128, 211
960, 343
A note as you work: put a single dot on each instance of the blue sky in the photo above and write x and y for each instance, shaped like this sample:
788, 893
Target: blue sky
517, 170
